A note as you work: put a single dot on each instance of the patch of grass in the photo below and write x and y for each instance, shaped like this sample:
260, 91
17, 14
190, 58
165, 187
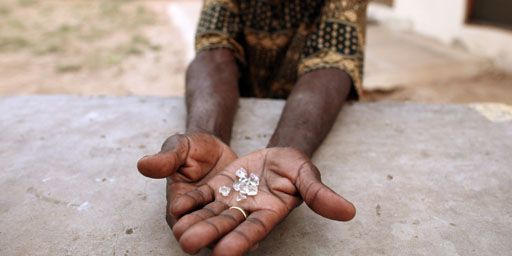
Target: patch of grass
50, 49
133, 50
13, 43
140, 40
138, 45
26, 3
57, 41
114, 59
91, 34
4, 10
68, 68
65, 29
46, 11
111, 8
95, 35
144, 17
15, 24
143, 41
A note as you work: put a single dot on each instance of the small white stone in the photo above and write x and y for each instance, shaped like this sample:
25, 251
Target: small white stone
244, 181
237, 185
254, 179
252, 190
224, 191
244, 189
240, 197
241, 173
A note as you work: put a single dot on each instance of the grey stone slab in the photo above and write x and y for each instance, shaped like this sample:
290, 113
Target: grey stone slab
426, 179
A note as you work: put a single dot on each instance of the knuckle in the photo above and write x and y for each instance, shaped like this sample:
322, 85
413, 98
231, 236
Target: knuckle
176, 208
259, 225
178, 229
312, 192
172, 142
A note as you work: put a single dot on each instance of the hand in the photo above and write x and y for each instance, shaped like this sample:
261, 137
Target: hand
187, 161
286, 178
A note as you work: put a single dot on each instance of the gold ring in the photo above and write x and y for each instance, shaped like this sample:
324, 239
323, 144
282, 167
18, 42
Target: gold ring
239, 209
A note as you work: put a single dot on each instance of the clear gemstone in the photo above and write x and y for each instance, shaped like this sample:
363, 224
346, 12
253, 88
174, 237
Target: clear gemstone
252, 190
246, 185
254, 179
244, 189
237, 185
224, 191
244, 181
241, 173
240, 197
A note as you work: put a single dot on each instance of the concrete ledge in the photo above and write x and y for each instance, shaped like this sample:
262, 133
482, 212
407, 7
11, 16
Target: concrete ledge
427, 179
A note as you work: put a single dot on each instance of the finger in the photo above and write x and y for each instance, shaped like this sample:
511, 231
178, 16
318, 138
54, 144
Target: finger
177, 189
166, 162
173, 191
248, 234
192, 200
210, 210
171, 220
321, 198
203, 233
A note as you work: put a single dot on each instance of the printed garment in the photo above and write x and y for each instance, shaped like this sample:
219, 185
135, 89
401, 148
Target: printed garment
277, 41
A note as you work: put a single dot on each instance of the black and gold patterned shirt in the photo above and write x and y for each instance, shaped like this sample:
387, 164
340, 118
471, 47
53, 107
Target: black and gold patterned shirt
277, 41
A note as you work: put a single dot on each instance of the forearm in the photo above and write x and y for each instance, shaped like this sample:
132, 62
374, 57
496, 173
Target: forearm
212, 93
311, 110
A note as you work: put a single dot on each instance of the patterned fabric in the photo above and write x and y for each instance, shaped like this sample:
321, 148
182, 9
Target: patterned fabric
277, 41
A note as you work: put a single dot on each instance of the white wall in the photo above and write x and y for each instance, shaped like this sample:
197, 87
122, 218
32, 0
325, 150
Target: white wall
438, 18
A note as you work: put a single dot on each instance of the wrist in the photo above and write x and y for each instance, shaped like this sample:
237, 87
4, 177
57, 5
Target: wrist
210, 132
219, 134
277, 142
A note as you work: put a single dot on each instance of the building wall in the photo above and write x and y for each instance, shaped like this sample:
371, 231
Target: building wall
445, 21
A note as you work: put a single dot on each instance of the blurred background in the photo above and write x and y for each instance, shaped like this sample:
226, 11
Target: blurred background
436, 51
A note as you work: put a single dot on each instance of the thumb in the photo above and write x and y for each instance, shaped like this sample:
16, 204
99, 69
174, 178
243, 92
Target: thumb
166, 162
320, 198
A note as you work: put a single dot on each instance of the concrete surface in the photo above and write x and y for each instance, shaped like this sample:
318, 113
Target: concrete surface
426, 179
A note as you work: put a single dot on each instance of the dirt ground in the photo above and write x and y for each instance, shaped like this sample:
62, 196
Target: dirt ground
89, 47
129, 47
490, 86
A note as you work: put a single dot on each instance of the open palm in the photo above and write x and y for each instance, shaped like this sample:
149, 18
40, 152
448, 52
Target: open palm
287, 177
187, 161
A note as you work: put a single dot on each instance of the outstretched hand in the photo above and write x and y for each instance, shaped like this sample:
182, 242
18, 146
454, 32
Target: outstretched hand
286, 178
187, 161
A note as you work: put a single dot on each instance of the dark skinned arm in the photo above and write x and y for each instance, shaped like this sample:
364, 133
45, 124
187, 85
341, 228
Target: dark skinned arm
311, 110
212, 93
